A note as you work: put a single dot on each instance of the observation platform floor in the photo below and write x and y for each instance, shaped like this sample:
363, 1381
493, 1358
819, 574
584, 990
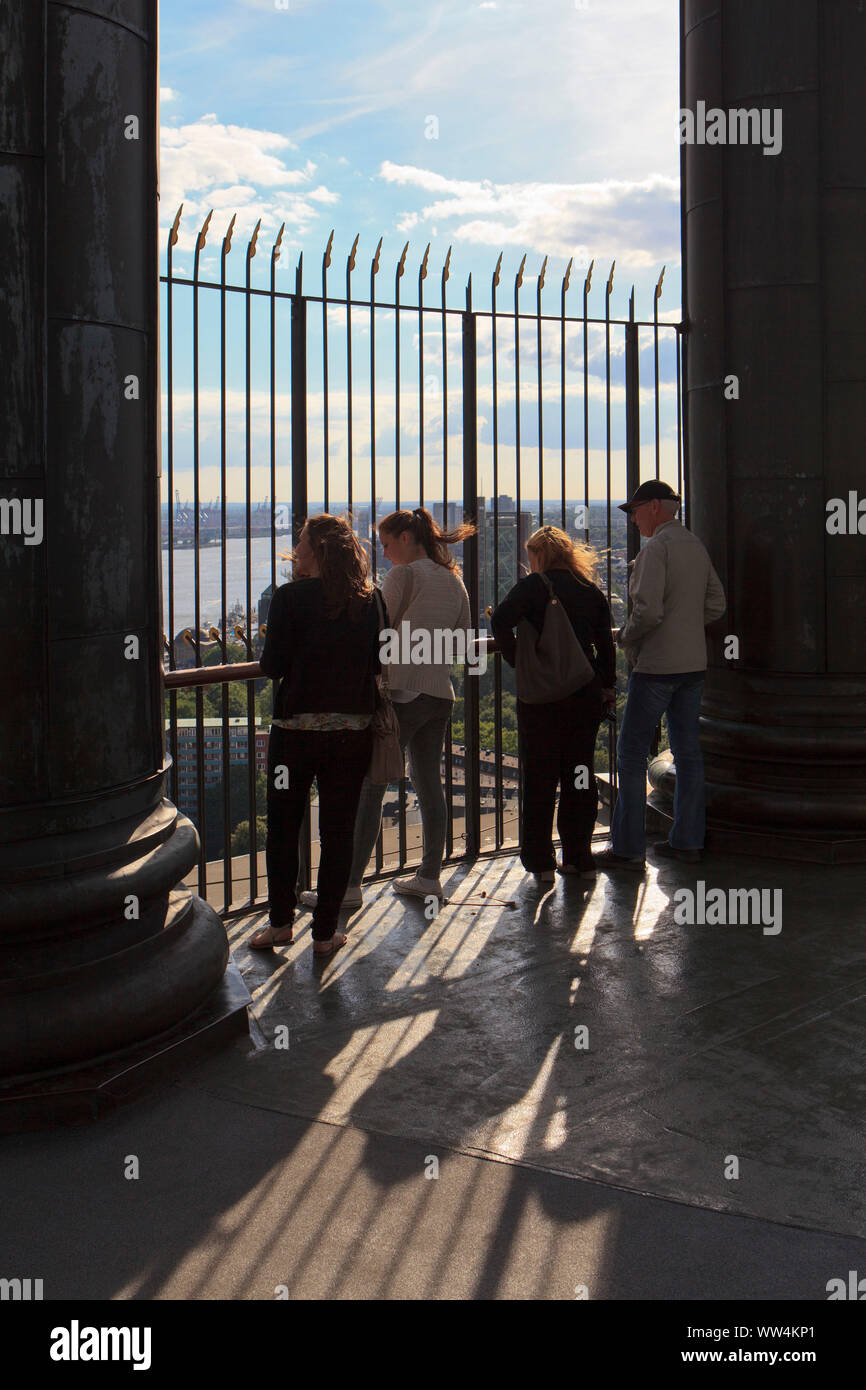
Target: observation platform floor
705, 1143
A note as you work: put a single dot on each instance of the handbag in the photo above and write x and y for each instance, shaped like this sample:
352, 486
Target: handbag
550, 665
386, 760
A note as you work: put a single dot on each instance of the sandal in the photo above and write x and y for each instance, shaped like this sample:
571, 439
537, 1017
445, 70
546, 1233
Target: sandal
327, 948
271, 936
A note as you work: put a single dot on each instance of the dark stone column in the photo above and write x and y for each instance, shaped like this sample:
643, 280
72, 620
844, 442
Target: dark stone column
101, 952
774, 251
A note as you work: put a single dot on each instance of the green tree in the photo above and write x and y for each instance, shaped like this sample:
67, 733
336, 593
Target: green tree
241, 835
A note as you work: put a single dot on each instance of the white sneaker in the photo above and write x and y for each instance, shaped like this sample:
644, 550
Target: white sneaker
417, 887
353, 897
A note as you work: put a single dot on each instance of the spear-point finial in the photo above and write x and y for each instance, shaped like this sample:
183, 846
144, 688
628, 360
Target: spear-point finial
423, 270
567, 275
202, 236
659, 285
587, 284
251, 249
541, 275
375, 266
227, 239
610, 278
519, 281
497, 270
276, 251
172, 236
326, 259
351, 263
402, 266
446, 269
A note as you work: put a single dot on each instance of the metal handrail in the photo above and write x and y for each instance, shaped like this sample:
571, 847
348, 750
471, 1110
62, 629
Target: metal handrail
192, 676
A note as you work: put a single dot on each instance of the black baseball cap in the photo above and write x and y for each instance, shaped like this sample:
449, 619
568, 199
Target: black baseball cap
647, 492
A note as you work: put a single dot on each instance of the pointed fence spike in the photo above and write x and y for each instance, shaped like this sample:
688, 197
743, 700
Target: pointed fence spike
251, 249
202, 236
227, 239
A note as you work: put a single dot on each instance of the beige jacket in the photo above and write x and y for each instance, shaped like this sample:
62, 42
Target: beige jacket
431, 598
675, 593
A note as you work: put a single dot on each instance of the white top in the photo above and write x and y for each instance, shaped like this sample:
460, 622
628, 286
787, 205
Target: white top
429, 597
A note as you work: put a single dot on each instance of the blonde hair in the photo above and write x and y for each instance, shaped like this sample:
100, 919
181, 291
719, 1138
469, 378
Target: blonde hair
555, 550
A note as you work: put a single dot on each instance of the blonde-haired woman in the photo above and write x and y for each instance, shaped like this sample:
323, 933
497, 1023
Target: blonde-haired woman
558, 739
322, 647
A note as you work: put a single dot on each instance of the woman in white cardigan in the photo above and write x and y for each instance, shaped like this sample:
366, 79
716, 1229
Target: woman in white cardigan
423, 588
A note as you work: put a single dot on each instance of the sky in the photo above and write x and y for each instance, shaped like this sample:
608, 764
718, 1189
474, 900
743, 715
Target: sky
545, 129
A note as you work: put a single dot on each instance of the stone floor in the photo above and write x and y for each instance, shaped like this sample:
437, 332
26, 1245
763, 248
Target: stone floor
706, 1142
709, 1048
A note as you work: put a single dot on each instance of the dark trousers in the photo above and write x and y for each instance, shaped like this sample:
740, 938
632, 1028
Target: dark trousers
557, 740
338, 760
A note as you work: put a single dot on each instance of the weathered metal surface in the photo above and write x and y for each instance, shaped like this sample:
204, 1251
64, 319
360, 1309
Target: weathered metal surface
775, 294
100, 951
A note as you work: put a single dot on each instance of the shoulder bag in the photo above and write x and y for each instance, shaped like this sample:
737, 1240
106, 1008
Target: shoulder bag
386, 761
552, 664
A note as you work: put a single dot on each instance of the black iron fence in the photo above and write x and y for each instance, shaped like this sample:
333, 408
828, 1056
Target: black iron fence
358, 406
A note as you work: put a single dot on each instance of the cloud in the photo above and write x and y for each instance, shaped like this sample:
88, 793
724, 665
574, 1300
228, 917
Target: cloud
167, 94
635, 221
231, 168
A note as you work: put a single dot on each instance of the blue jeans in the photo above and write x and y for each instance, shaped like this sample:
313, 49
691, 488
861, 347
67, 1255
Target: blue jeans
648, 700
423, 723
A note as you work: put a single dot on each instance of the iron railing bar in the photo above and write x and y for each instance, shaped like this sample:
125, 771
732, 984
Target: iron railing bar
350, 266
326, 261
538, 288
412, 308
499, 819
226, 799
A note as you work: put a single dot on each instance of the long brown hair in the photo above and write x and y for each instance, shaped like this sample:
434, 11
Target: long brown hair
427, 532
555, 550
343, 565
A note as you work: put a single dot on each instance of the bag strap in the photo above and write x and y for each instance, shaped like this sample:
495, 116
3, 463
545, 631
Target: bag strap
551, 592
383, 670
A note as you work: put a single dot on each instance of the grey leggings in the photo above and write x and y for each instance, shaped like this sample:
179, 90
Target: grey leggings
422, 732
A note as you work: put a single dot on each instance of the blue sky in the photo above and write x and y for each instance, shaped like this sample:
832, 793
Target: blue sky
545, 129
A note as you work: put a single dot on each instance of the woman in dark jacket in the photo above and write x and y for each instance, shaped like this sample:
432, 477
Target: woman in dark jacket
322, 646
557, 740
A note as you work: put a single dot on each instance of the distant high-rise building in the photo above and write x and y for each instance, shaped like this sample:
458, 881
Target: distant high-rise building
502, 558
206, 744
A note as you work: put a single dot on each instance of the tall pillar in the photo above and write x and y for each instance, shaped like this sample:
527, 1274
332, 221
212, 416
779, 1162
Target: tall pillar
102, 952
774, 292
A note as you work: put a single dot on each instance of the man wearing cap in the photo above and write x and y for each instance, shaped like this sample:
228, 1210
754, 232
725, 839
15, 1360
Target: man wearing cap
675, 594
